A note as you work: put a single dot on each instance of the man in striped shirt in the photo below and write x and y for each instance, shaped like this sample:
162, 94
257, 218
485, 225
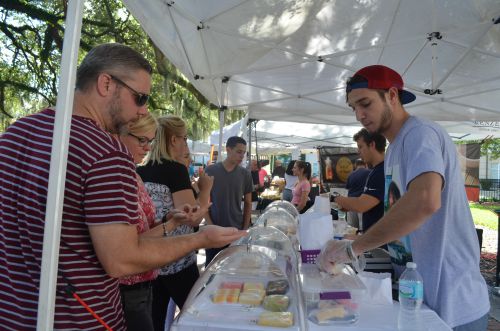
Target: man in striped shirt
99, 240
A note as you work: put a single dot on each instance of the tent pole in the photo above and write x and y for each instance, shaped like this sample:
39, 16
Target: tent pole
58, 163
249, 153
222, 111
221, 132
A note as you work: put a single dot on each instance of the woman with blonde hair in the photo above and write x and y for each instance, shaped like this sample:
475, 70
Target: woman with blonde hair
169, 186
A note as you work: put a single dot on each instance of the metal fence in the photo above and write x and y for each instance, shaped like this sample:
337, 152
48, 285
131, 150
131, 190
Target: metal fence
490, 190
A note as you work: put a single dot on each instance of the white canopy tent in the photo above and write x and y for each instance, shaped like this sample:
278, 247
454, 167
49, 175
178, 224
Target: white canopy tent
288, 60
283, 137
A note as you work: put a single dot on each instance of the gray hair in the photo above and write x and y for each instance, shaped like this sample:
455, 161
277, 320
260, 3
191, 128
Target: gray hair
113, 58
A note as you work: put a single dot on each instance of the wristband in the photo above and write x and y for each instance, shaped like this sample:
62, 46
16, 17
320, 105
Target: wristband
164, 219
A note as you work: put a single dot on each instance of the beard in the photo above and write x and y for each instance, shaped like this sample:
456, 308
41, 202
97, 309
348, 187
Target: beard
385, 120
115, 111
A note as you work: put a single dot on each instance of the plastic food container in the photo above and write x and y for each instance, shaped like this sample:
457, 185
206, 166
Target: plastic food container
248, 287
331, 299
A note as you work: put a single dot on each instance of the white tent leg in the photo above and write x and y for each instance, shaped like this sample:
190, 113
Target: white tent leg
221, 132
58, 162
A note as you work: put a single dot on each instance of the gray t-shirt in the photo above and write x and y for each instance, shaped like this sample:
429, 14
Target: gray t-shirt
445, 247
226, 194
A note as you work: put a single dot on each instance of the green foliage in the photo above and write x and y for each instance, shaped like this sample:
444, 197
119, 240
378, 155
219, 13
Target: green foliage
485, 215
31, 35
489, 147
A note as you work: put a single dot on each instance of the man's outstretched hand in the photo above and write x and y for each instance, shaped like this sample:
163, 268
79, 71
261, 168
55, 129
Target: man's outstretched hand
215, 236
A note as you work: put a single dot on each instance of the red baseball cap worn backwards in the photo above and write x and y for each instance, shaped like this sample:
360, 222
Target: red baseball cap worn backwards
381, 77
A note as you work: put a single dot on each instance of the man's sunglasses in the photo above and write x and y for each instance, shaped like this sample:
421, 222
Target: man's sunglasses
140, 98
143, 141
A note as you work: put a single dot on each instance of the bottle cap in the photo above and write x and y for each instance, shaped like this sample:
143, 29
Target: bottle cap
411, 265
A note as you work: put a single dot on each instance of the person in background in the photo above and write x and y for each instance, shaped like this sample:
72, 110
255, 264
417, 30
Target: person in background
263, 176
202, 185
136, 289
231, 183
278, 169
302, 187
371, 148
255, 172
355, 185
431, 222
168, 183
290, 180
257, 187
99, 241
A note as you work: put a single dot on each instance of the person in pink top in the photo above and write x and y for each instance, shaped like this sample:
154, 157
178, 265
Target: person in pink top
302, 188
135, 290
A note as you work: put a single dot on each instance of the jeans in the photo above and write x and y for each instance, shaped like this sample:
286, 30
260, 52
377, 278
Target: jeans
210, 254
136, 303
287, 195
478, 325
176, 286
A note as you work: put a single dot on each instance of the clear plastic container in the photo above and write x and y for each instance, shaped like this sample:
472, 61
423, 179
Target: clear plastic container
247, 287
280, 219
286, 205
331, 299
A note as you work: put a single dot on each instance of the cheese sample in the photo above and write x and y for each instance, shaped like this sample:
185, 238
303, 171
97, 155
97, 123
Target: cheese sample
229, 295
252, 297
236, 285
276, 302
253, 286
284, 319
326, 314
279, 286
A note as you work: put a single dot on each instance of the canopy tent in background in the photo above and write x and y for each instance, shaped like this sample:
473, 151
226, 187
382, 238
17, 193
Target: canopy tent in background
289, 60
283, 137
198, 147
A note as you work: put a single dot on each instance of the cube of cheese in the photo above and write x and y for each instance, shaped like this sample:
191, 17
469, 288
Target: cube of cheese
236, 285
252, 297
253, 286
284, 319
325, 314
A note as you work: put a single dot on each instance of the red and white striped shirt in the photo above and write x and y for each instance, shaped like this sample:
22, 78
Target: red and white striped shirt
100, 189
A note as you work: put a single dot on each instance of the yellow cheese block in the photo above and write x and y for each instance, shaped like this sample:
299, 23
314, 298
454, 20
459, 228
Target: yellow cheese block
284, 319
252, 297
229, 295
253, 286
330, 313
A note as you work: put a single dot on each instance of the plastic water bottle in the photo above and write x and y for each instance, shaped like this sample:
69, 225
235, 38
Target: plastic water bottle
411, 296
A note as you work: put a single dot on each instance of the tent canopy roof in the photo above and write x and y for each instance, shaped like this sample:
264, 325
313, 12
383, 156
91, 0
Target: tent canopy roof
289, 60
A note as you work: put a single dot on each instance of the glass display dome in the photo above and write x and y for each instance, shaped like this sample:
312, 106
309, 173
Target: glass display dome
288, 206
280, 219
246, 287
269, 237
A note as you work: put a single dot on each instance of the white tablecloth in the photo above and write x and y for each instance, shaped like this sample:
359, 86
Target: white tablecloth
384, 318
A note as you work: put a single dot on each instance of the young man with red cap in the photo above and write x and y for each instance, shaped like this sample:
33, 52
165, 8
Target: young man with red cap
430, 223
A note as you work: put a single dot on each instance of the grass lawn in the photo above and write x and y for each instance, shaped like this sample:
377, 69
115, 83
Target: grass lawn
484, 214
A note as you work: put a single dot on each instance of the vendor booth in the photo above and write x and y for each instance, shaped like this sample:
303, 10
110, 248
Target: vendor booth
288, 61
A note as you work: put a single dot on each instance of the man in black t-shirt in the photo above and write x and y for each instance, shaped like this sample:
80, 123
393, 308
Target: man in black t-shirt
371, 147
355, 186
278, 169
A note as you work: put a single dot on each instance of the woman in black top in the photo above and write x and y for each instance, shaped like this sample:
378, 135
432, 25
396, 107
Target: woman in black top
169, 186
